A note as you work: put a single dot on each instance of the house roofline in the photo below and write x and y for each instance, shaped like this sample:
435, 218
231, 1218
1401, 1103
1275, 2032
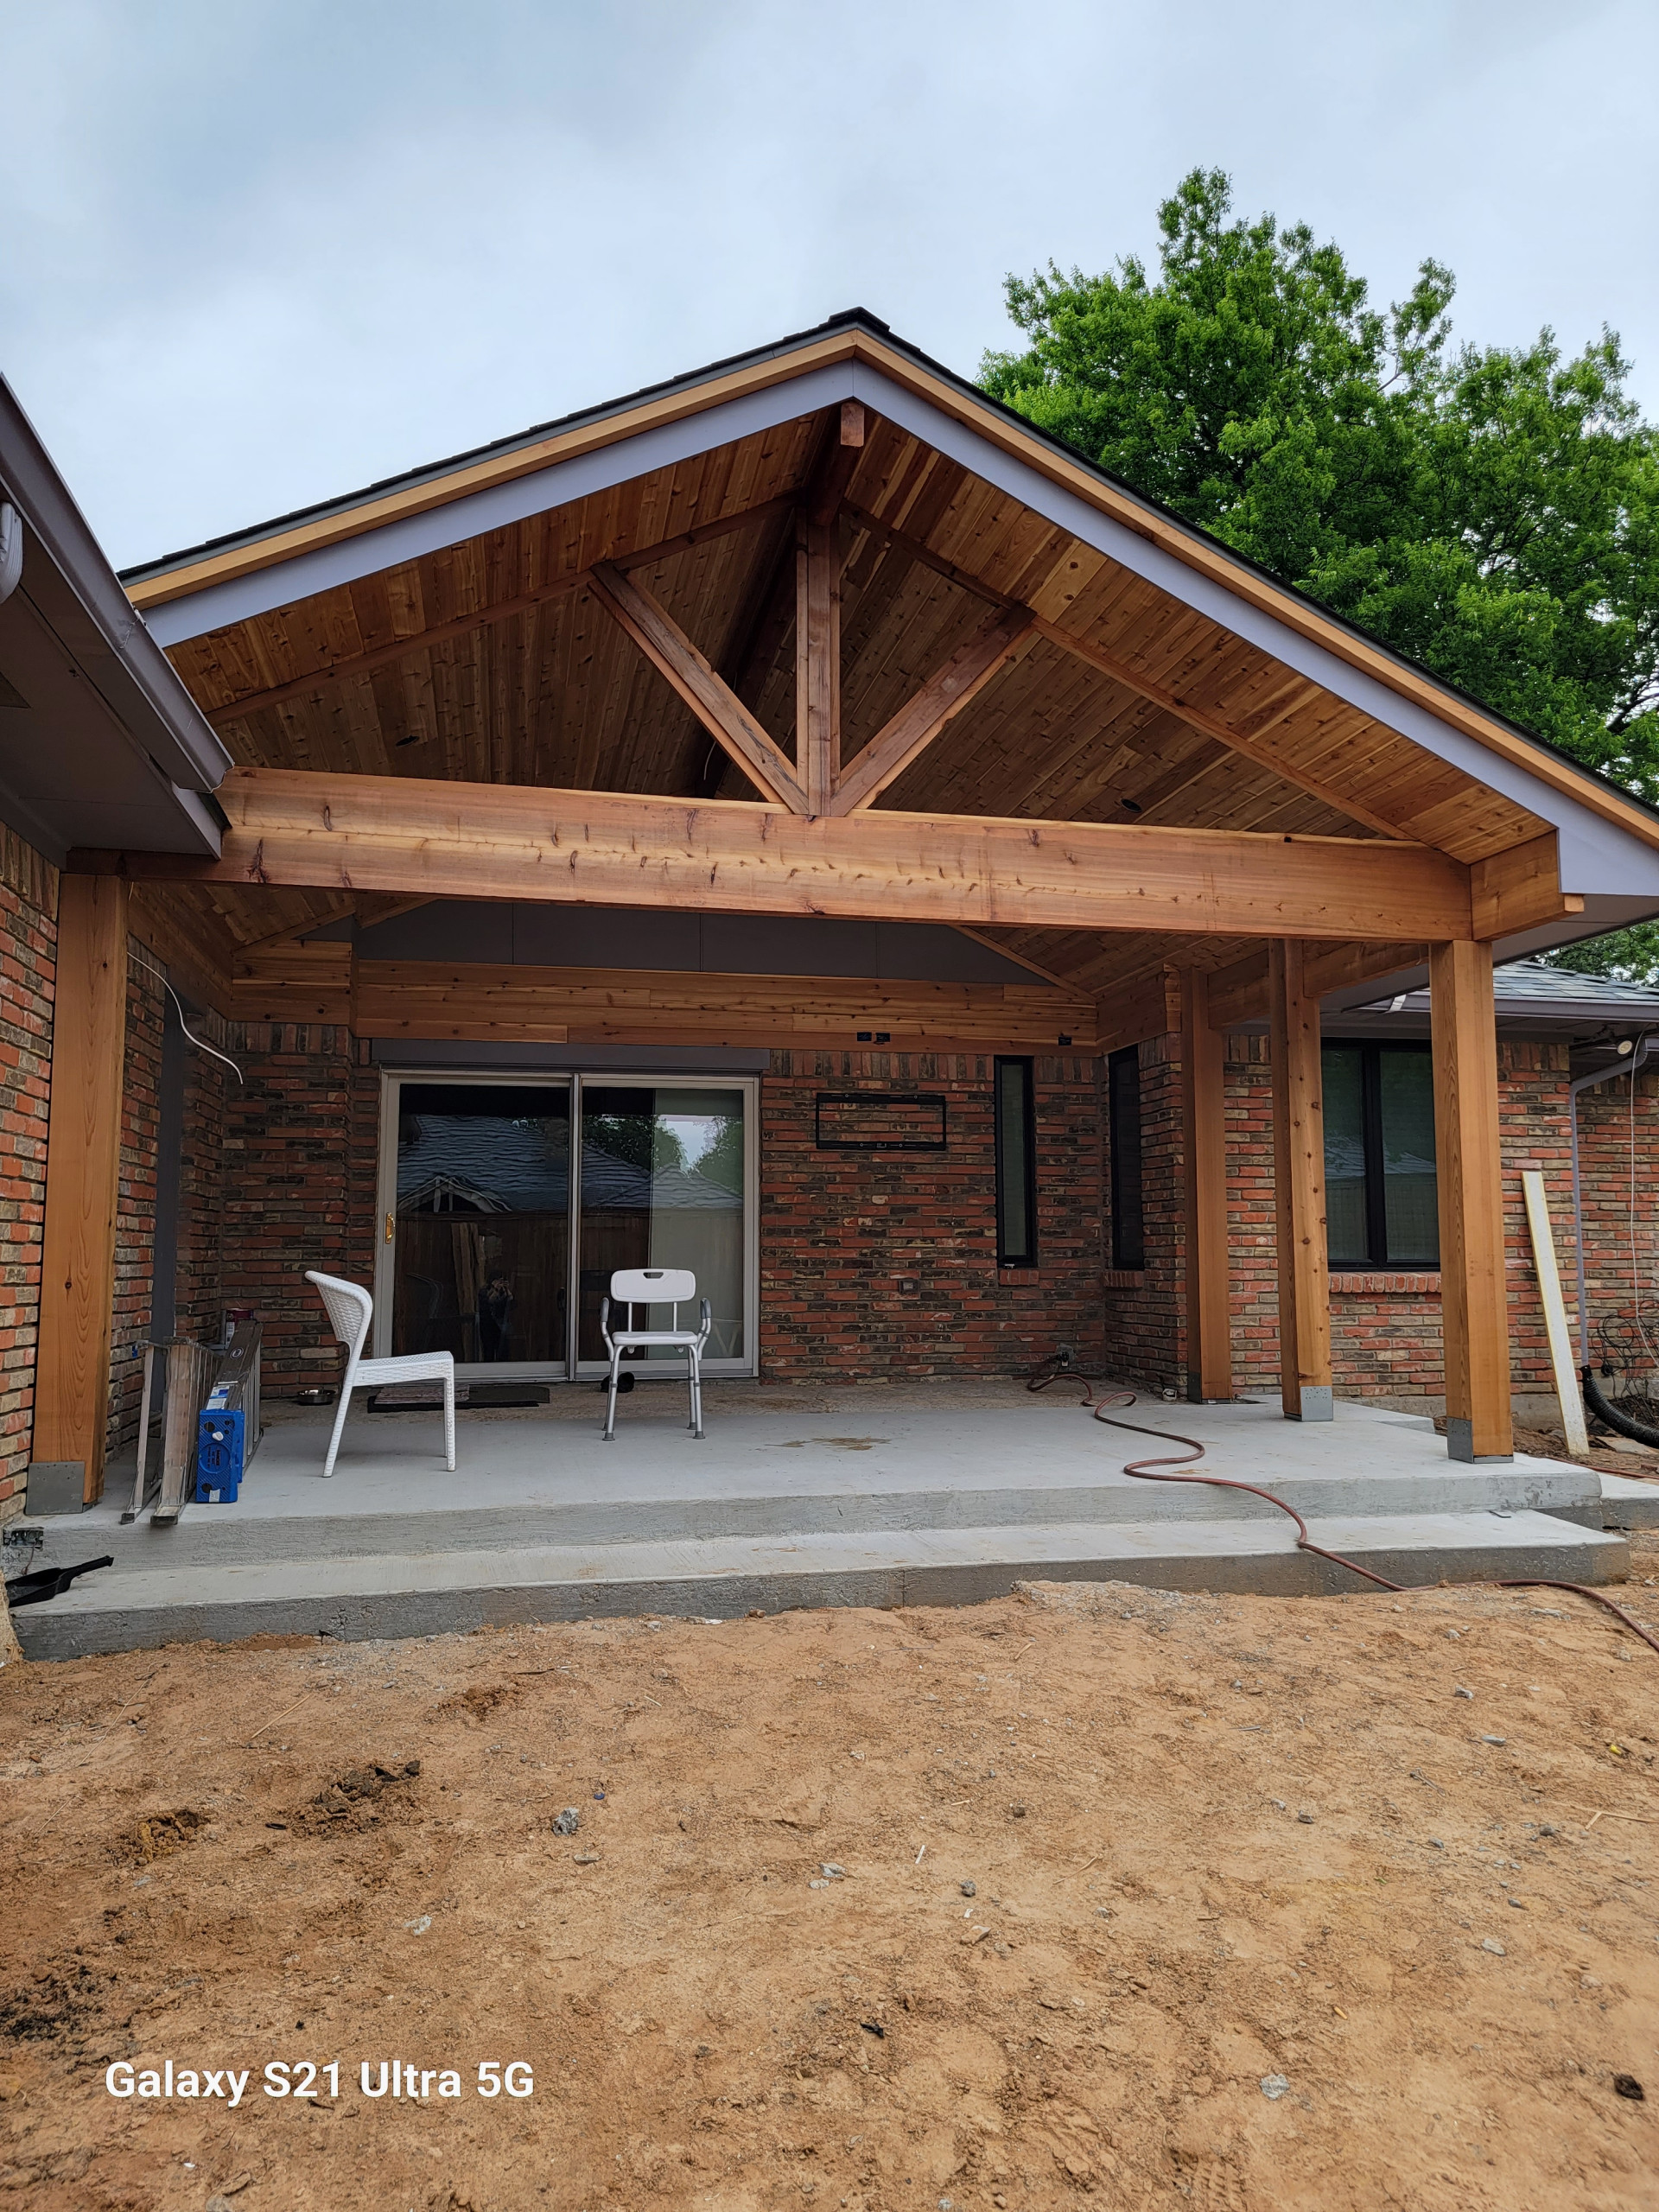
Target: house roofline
856, 334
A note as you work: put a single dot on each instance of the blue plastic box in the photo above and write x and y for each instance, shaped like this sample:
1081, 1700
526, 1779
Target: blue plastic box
220, 1436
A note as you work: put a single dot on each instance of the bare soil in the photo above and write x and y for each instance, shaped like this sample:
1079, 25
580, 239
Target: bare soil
1263, 1914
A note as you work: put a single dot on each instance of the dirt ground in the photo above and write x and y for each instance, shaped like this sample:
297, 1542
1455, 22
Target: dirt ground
1262, 1912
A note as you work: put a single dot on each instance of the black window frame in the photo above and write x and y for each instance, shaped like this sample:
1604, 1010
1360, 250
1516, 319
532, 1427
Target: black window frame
1024, 1168
830, 1140
1370, 1050
1125, 1135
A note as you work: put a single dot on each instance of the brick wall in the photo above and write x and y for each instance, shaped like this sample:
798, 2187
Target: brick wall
28, 938
135, 1212
198, 1291
843, 1235
1621, 1237
1145, 1340
1385, 1328
279, 1174
299, 1184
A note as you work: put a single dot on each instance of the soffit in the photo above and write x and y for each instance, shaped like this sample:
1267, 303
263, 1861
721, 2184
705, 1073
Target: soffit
553, 692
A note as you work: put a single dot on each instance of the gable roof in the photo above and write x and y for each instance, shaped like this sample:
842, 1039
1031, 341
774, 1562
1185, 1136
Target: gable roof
432, 623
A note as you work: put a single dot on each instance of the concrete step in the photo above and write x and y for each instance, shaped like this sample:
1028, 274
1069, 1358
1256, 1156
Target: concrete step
405, 1593
705, 1493
1629, 1504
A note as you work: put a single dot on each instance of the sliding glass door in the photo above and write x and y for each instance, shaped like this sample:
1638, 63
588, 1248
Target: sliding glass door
663, 1186
481, 1252
478, 1234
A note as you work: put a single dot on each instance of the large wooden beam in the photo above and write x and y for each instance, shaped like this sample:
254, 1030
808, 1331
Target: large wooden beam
498, 841
720, 710
921, 718
1519, 888
1474, 1304
439, 999
83, 1166
818, 661
1298, 1189
1209, 1316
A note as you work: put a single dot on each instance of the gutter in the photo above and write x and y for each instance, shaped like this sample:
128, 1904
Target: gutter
114, 650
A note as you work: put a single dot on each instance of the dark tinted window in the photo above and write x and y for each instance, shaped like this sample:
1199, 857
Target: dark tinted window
1382, 1197
1016, 1165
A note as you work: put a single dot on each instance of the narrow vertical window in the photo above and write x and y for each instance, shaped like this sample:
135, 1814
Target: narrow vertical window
1016, 1167
1124, 1118
1382, 1201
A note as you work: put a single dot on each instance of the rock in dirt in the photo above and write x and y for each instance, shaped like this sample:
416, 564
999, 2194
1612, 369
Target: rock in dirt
1274, 2086
1626, 2085
568, 1821
970, 1889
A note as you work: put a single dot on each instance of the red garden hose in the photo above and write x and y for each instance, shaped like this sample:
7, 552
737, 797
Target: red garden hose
1150, 1470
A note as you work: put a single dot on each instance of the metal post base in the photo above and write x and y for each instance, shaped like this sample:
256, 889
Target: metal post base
1317, 1403
1460, 1445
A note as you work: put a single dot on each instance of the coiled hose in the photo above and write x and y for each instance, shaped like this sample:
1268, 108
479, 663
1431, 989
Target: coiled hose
1610, 1411
1150, 1470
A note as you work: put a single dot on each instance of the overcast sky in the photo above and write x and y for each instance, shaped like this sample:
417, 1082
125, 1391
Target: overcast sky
253, 254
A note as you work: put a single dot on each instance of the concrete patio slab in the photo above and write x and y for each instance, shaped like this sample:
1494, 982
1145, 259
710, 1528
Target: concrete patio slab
860, 1496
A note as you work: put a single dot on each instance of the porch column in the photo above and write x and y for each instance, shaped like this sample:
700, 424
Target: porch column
1298, 1188
1209, 1319
83, 1162
1474, 1302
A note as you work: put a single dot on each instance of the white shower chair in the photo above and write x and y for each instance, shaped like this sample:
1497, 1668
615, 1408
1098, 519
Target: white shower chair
351, 1311
669, 1286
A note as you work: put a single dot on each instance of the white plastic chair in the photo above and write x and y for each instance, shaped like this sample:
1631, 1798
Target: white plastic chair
351, 1311
671, 1287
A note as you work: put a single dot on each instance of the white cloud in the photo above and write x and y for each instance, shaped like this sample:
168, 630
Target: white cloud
255, 255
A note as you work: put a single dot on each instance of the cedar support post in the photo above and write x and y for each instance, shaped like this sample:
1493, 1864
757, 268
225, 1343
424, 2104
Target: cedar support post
83, 1163
1299, 1184
1474, 1304
1209, 1321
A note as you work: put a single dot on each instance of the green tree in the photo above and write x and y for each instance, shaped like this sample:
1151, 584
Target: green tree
1492, 512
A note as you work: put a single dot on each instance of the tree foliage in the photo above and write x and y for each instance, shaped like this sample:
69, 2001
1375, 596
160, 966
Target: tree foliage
1490, 511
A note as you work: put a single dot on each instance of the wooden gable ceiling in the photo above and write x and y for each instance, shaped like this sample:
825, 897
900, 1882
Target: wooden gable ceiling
489, 661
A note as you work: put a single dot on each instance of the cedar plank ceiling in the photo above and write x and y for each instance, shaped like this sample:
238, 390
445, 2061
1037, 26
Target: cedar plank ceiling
557, 695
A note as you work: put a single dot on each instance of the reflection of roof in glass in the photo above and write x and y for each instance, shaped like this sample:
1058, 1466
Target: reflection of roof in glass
453, 1164
1344, 1159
